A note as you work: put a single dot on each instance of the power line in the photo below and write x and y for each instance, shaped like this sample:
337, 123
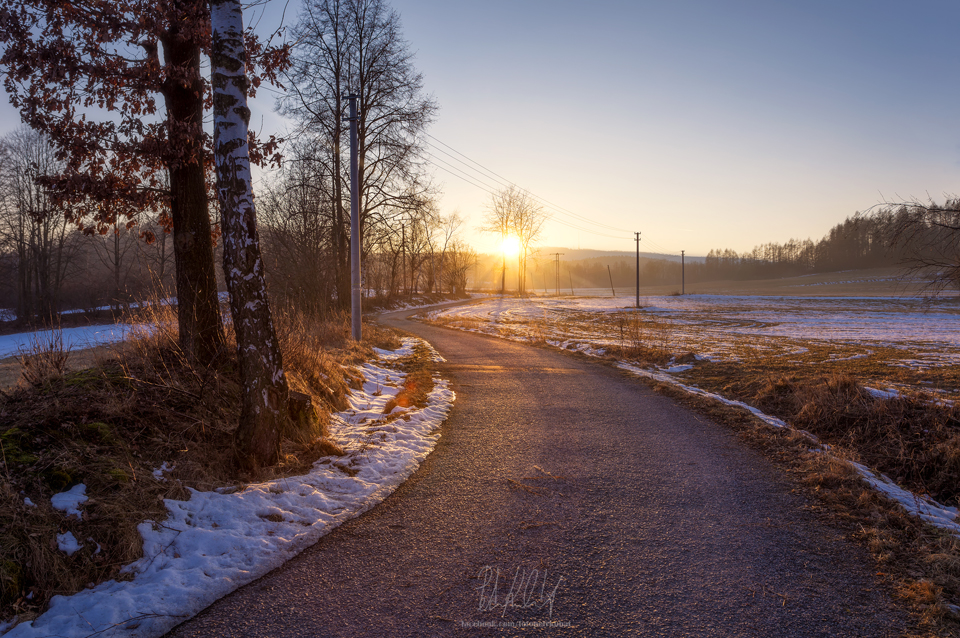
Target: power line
503, 181
470, 179
485, 176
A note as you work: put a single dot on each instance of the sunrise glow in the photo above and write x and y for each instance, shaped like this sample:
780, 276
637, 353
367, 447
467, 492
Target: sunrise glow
510, 246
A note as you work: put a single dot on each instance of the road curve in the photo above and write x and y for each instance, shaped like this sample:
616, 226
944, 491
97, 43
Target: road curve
608, 509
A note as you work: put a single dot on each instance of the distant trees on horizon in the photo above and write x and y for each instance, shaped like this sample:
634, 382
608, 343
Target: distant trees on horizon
921, 239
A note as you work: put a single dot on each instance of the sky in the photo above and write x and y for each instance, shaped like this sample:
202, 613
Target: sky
699, 123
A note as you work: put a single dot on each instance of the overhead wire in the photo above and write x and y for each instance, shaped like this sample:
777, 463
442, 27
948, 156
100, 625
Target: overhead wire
490, 189
490, 181
503, 181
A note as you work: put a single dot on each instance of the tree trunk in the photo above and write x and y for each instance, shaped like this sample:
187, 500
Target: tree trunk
198, 308
265, 393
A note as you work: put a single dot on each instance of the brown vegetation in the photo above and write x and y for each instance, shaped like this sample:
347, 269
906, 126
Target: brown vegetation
112, 425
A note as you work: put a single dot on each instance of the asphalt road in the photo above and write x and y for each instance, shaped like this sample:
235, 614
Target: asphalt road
563, 492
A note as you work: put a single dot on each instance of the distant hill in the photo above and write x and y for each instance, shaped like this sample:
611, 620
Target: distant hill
577, 254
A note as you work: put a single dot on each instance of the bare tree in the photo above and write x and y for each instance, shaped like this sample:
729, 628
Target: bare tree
448, 229
929, 237
512, 211
33, 226
299, 242
355, 46
460, 259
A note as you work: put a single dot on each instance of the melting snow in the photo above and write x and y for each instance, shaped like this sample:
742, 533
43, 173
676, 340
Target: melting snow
158, 473
218, 541
71, 500
68, 544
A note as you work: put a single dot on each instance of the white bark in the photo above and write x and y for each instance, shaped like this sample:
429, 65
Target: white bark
265, 392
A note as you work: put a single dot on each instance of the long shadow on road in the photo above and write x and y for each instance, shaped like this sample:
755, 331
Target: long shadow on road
561, 492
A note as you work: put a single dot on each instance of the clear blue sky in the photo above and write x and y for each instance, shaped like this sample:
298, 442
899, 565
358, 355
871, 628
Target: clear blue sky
700, 123
703, 124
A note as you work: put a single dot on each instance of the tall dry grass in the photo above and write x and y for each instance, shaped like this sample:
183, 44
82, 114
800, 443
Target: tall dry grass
46, 358
644, 339
911, 438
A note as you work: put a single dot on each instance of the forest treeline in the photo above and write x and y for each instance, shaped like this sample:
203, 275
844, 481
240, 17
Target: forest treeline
917, 237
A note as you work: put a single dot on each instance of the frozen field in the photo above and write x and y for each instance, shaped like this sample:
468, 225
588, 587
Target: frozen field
899, 334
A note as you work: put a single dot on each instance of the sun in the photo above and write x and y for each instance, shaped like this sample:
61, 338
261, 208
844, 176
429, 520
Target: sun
510, 246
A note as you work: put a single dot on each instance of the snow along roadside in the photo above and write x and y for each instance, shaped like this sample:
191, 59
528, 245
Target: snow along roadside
218, 541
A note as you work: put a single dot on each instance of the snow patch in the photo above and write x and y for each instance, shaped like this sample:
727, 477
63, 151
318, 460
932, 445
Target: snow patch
158, 473
889, 393
218, 541
67, 543
71, 500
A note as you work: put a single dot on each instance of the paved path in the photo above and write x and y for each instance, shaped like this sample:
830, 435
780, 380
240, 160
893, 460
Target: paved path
632, 515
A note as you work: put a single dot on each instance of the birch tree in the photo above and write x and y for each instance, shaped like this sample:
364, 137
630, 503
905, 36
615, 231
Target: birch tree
265, 392
118, 89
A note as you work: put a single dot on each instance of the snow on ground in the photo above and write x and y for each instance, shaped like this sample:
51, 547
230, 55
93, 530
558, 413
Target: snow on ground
218, 541
418, 302
73, 338
927, 330
67, 543
897, 322
70, 501
884, 319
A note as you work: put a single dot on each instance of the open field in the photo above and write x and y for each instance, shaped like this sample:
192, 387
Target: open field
901, 344
874, 282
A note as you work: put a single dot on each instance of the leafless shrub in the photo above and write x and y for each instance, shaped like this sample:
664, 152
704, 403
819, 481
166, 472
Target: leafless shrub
46, 359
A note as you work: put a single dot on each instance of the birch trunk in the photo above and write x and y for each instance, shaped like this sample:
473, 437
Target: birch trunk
265, 393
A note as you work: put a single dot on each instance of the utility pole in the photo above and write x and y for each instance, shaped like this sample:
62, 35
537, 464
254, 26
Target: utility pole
557, 255
354, 222
683, 274
609, 274
503, 274
637, 239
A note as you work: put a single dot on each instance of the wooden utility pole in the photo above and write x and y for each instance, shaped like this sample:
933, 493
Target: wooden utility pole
637, 239
683, 274
609, 274
354, 222
557, 256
